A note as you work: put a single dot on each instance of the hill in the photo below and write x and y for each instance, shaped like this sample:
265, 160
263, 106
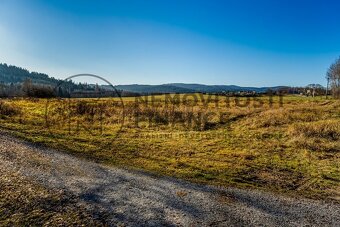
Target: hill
17, 75
163, 88
13, 74
221, 88
191, 88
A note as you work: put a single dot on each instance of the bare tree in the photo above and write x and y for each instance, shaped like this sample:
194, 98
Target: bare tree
27, 86
333, 78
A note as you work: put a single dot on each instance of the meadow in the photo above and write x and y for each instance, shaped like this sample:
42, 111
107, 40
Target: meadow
288, 144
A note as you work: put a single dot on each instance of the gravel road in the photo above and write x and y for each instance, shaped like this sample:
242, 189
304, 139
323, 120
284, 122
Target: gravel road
132, 198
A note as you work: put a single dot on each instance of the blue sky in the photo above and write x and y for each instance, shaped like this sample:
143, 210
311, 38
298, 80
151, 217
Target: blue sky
247, 43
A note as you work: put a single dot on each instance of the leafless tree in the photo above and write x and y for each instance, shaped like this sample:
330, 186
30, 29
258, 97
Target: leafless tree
333, 78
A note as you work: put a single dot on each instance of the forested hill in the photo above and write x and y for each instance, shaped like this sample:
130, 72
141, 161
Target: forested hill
13, 74
16, 75
190, 88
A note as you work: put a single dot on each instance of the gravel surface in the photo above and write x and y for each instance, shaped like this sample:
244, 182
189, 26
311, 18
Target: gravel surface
132, 198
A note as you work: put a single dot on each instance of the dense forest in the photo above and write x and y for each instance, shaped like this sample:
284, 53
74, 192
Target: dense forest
14, 74
19, 82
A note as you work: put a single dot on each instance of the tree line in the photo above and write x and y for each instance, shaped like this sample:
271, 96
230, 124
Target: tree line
19, 82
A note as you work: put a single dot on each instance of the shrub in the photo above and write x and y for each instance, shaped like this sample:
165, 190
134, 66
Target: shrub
37, 91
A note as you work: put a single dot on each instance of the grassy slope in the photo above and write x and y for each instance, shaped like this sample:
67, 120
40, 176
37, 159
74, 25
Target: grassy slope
293, 148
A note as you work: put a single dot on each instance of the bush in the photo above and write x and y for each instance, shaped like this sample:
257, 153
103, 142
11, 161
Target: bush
37, 91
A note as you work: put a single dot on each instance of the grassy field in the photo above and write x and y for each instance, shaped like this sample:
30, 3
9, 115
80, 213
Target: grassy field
289, 144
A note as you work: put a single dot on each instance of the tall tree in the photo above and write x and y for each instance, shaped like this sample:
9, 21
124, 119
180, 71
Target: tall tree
27, 86
333, 78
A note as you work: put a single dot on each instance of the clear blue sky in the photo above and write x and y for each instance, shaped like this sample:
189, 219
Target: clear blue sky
248, 43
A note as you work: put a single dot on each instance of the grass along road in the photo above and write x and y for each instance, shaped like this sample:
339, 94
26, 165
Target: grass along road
292, 148
113, 196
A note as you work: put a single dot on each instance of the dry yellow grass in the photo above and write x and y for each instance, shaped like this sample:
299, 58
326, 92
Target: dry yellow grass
320, 135
289, 147
8, 110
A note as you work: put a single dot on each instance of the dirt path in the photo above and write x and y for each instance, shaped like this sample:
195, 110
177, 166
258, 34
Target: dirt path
136, 198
